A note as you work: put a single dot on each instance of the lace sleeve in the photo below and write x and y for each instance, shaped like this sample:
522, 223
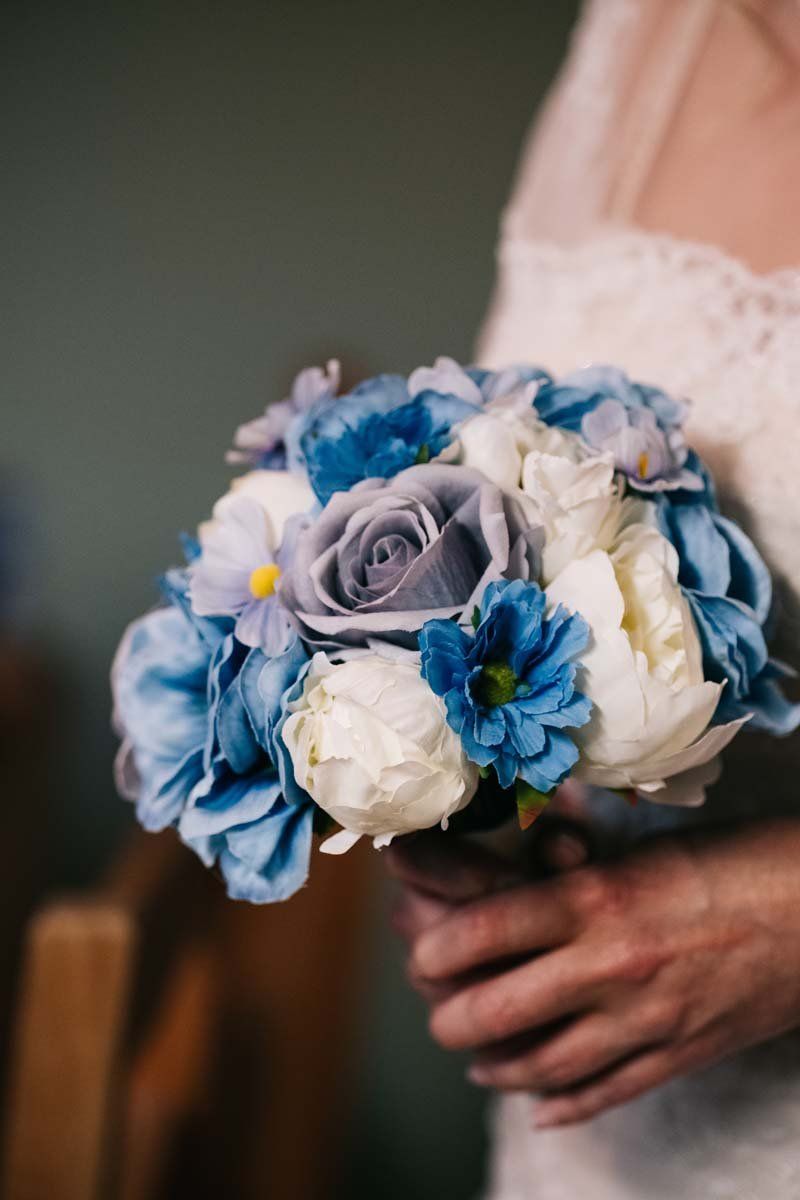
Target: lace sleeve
564, 171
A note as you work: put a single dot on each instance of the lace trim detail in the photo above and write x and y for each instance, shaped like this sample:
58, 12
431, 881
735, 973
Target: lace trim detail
695, 320
780, 286
685, 316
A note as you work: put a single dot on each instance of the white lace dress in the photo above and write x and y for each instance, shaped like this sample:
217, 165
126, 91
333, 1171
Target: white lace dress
579, 283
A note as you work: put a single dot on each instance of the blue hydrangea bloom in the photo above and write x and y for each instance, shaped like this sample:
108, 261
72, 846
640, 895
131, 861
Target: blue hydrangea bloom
197, 751
729, 589
509, 690
376, 432
159, 680
494, 384
380, 394
705, 495
640, 425
237, 815
566, 401
283, 760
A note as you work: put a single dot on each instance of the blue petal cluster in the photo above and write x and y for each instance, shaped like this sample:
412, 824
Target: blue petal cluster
376, 432
640, 425
510, 689
198, 712
565, 402
389, 423
729, 588
494, 384
159, 680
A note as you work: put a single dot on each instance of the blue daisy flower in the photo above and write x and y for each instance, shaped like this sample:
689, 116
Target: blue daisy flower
509, 690
376, 432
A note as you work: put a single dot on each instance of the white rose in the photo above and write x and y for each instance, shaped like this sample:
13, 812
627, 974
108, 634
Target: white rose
578, 501
370, 743
643, 672
281, 494
496, 440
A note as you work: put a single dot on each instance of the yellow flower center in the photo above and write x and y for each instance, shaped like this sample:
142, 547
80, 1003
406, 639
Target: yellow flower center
644, 463
263, 580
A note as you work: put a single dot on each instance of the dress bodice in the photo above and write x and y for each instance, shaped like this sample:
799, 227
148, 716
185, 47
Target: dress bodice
578, 282
694, 321
701, 325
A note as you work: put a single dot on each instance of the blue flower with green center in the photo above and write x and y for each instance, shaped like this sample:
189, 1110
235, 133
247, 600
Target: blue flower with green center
376, 432
509, 689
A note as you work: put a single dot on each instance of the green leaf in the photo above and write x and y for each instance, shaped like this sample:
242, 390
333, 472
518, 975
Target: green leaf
530, 803
476, 617
423, 455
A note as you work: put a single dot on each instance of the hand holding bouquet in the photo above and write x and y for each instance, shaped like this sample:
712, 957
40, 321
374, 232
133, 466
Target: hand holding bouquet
430, 602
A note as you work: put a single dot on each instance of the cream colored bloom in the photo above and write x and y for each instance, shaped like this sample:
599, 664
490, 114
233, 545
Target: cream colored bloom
579, 503
496, 440
370, 743
572, 493
650, 729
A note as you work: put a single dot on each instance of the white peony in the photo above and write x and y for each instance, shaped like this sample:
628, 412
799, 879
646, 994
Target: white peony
578, 500
370, 743
572, 493
643, 672
496, 440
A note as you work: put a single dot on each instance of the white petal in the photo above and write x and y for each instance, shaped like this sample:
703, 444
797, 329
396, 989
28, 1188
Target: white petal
712, 743
488, 445
340, 842
281, 494
688, 790
589, 586
445, 376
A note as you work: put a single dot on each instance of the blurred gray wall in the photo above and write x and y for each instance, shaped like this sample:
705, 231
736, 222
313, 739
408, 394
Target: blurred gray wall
197, 199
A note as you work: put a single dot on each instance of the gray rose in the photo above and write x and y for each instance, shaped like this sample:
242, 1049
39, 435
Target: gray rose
389, 555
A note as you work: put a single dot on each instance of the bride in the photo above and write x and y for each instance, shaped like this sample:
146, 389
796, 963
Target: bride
640, 1011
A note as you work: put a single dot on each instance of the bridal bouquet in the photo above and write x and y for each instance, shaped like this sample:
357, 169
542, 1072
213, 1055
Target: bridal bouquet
431, 601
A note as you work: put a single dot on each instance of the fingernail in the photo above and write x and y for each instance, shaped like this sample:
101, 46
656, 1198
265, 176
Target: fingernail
568, 851
427, 955
478, 1075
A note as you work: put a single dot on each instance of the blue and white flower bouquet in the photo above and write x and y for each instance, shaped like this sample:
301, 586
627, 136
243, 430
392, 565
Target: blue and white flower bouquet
431, 601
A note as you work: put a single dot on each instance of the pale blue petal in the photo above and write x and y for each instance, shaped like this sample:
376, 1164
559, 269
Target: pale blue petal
269, 861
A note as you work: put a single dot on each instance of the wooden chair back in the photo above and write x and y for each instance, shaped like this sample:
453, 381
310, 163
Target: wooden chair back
168, 1041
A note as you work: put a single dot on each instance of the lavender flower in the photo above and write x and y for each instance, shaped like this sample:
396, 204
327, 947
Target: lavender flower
263, 442
652, 458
